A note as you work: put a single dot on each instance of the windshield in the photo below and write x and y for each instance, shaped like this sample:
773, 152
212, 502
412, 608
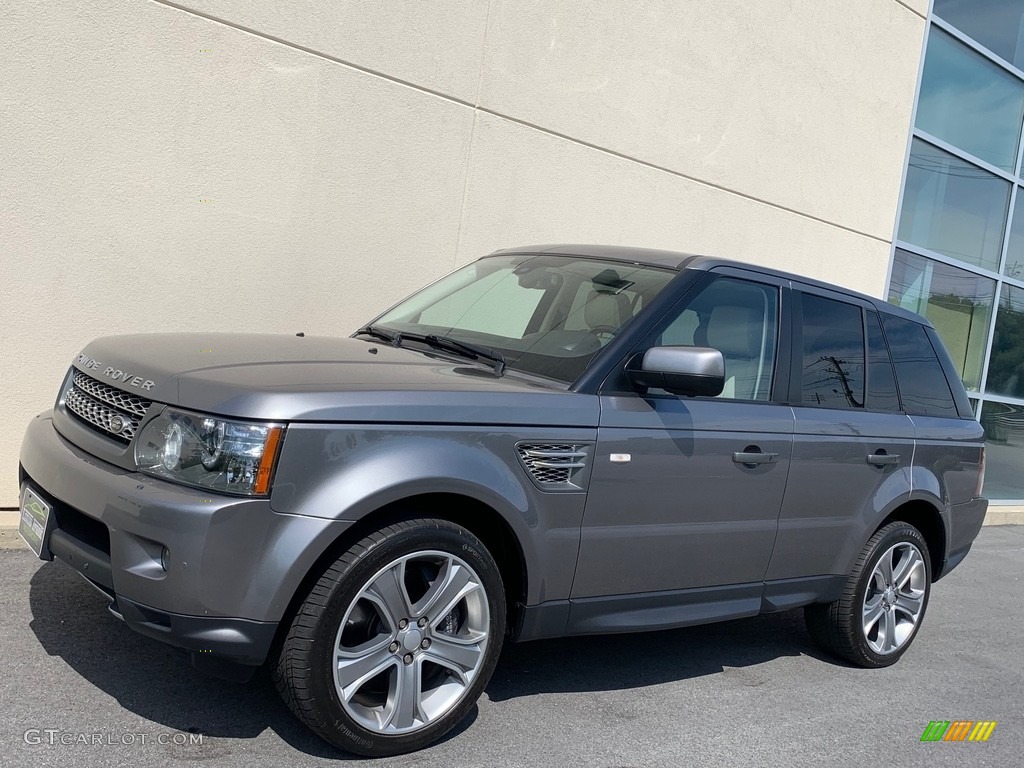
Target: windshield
545, 315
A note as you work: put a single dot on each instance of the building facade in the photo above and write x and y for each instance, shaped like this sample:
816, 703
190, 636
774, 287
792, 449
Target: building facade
250, 165
958, 253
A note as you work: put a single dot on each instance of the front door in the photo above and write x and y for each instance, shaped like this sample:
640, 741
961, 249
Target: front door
684, 499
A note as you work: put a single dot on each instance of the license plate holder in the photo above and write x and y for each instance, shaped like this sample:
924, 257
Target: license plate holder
36, 522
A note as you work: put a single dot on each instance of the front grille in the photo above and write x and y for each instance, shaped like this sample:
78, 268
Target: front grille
553, 465
123, 401
105, 408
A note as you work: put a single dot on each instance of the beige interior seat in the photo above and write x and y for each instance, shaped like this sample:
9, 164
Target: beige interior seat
736, 332
605, 311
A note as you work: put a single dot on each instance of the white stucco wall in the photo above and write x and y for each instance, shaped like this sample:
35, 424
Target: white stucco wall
262, 166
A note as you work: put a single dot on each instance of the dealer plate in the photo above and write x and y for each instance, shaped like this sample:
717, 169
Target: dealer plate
35, 520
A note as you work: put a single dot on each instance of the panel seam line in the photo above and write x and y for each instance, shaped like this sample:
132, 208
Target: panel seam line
521, 122
910, 8
472, 137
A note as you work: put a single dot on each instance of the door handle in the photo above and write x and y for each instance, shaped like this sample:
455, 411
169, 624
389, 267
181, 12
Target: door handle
751, 457
880, 458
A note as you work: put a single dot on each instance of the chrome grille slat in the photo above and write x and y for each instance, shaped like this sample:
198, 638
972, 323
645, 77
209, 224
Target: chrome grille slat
533, 453
558, 464
553, 465
123, 401
98, 404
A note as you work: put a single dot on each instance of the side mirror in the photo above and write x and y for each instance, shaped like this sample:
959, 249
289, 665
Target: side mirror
680, 370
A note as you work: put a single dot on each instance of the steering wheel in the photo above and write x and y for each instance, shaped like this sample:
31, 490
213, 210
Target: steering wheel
602, 331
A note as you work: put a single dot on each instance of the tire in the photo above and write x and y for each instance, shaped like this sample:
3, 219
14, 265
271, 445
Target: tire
883, 603
396, 641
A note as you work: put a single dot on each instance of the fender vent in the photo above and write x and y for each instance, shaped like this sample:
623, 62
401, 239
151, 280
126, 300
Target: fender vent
553, 465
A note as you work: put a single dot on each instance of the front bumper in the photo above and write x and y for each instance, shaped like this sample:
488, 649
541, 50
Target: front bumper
232, 564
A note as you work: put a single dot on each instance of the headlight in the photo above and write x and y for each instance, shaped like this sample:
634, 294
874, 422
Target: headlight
208, 452
213, 433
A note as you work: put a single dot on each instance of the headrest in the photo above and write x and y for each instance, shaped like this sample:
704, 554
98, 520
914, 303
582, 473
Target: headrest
605, 310
735, 331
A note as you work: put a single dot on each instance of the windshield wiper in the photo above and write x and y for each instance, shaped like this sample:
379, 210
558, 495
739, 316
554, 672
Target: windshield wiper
447, 343
463, 348
391, 337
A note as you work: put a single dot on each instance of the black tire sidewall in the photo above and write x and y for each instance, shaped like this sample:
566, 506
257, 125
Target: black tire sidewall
439, 536
886, 538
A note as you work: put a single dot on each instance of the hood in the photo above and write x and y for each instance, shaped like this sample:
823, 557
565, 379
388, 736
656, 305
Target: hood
309, 378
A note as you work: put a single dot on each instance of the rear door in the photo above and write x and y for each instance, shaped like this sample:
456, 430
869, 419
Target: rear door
853, 447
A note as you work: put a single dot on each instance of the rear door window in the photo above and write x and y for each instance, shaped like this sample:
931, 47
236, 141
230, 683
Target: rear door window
832, 371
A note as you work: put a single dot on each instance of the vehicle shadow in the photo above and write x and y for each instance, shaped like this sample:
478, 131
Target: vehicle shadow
150, 679
614, 662
156, 682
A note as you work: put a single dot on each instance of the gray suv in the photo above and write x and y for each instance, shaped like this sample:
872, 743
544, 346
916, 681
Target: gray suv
551, 441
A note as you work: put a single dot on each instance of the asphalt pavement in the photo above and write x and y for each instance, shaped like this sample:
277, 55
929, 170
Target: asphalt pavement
78, 688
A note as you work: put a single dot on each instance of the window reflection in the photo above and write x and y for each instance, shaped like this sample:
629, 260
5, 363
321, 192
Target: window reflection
1006, 363
1004, 450
833, 353
996, 24
958, 304
970, 102
1014, 266
953, 207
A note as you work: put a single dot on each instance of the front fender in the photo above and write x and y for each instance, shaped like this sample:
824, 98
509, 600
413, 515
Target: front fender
347, 472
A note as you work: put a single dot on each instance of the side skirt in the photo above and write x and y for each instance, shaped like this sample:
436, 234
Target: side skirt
652, 611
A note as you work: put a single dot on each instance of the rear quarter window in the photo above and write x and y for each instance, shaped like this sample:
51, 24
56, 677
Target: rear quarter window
924, 390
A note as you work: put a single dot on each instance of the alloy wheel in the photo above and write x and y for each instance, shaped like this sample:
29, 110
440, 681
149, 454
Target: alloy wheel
411, 642
894, 598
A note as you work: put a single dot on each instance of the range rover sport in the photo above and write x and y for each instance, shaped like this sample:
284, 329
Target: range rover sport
551, 441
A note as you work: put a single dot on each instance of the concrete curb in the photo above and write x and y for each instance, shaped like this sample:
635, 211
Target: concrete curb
1005, 516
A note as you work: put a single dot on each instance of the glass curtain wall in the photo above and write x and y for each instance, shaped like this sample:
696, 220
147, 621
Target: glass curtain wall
958, 258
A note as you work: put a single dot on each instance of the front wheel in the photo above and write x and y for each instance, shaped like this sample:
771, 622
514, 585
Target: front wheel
883, 603
396, 641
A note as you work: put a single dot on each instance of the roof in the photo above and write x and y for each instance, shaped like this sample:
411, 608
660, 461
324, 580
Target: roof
652, 256
681, 260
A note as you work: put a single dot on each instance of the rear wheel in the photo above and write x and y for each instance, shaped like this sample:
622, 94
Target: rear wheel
884, 601
396, 641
